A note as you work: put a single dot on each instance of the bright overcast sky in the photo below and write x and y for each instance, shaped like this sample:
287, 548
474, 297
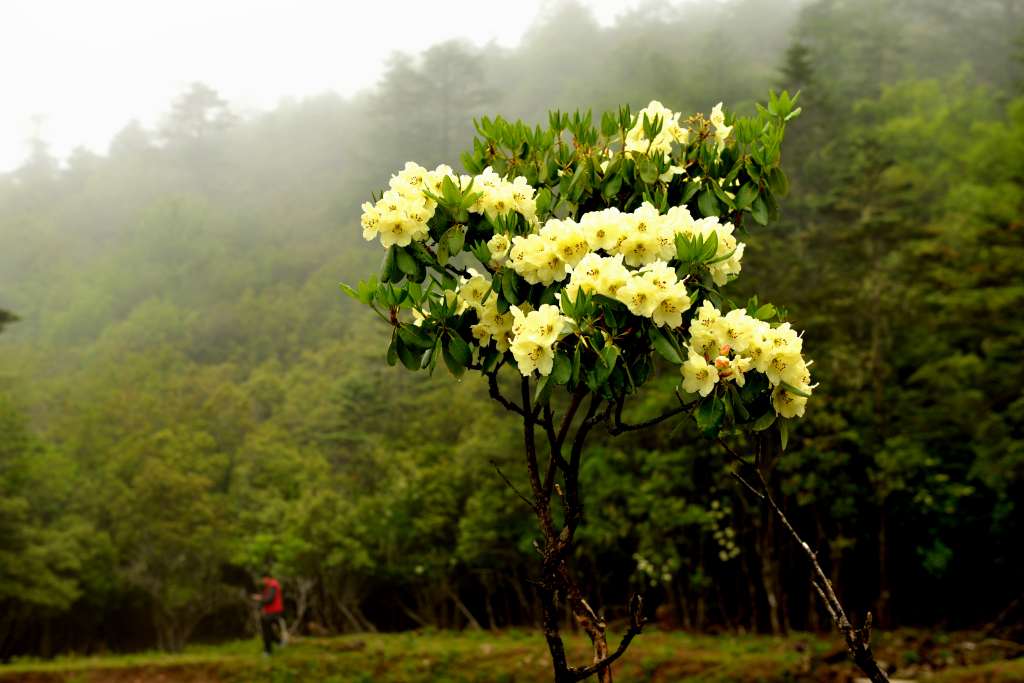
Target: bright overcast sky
81, 69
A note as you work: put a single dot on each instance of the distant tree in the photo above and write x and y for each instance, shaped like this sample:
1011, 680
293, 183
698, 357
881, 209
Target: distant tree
131, 142
196, 115
170, 528
6, 318
40, 167
433, 99
43, 542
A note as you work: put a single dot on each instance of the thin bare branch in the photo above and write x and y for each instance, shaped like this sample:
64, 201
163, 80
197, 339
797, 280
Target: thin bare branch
512, 486
621, 427
570, 413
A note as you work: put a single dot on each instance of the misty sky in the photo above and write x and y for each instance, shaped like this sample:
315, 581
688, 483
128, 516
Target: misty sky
79, 71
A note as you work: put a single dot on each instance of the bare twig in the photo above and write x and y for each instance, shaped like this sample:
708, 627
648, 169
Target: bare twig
570, 413
512, 486
619, 427
734, 457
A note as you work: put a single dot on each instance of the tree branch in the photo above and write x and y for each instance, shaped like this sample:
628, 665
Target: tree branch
619, 427
570, 413
636, 624
512, 486
495, 392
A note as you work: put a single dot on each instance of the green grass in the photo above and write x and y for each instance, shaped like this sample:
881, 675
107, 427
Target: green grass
470, 657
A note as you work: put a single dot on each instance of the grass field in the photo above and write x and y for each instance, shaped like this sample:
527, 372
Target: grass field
520, 657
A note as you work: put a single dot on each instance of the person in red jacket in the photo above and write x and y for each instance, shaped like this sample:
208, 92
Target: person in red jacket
271, 611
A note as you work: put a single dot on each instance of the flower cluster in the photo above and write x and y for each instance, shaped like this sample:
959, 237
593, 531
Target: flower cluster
402, 213
670, 131
499, 196
535, 334
647, 568
652, 292
641, 238
724, 535
725, 347
548, 255
476, 293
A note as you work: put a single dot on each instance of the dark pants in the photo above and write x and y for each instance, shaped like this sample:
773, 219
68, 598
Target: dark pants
268, 624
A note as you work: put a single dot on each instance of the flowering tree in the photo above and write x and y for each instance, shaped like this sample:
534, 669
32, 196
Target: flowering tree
583, 260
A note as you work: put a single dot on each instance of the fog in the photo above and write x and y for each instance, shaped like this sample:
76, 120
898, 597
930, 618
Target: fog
76, 72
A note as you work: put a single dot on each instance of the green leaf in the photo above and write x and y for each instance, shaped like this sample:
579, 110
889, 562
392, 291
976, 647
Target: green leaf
456, 238
765, 312
406, 263
442, 251
415, 337
686, 249
778, 182
793, 390
764, 422
451, 193
578, 183
648, 170
392, 354
350, 292
759, 211
542, 392
452, 362
409, 358
736, 402
612, 186
755, 385
709, 415
510, 286
429, 358
784, 433
543, 201
686, 397
459, 348
746, 195
663, 346
722, 196
689, 190
710, 247
389, 265
561, 371
707, 203
547, 295
609, 355
482, 252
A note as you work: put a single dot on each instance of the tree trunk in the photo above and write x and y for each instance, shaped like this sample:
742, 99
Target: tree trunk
769, 572
303, 589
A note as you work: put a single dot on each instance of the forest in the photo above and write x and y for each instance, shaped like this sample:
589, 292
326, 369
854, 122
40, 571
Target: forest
187, 398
